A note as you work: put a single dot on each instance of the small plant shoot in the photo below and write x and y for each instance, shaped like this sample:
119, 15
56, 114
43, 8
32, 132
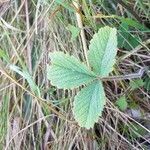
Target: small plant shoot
67, 72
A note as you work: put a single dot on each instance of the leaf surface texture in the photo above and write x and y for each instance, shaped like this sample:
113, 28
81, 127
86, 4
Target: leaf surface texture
89, 104
102, 51
68, 72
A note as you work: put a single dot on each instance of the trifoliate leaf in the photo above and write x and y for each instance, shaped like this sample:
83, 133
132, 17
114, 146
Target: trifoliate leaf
89, 104
68, 72
102, 51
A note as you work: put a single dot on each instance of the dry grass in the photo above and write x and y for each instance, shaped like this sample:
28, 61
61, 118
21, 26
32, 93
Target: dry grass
34, 114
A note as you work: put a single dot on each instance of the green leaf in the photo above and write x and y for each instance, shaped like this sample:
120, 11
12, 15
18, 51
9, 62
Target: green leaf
25, 74
89, 104
127, 40
65, 4
124, 34
74, 31
147, 84
4, 55
133, 130
102, 51
137, 129
122, 103
68, 72
134, 24
27, 107
135, 84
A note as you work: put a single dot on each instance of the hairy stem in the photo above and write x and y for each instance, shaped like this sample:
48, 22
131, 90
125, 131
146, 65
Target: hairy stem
139, 74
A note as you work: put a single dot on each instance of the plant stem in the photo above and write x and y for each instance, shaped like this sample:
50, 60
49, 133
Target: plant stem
80, 25
29, 61
139, 74
130, 9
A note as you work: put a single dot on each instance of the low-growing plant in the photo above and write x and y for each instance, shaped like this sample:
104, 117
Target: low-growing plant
67, 72
122, 103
